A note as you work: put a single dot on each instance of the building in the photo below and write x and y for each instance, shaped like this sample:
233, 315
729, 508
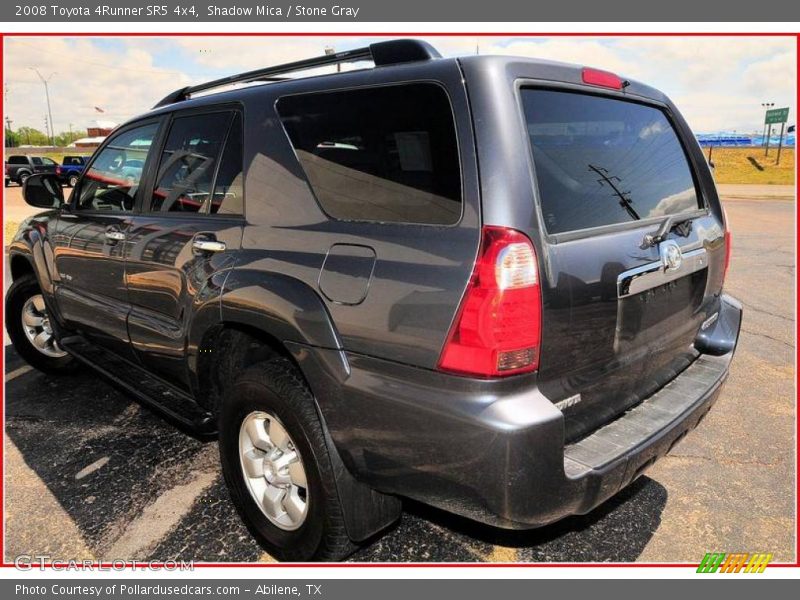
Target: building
96, 132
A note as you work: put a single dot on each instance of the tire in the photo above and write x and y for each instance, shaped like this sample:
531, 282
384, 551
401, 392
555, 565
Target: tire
21, 297
72, 180
22, 177
275, 390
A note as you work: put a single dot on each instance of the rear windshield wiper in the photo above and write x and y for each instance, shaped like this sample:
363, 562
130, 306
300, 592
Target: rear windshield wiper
667, 225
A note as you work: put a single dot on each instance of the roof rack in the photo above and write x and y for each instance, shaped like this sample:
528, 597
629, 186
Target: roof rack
381, 53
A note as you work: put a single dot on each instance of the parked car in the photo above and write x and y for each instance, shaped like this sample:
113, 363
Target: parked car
19, 167
490, 284
71, 168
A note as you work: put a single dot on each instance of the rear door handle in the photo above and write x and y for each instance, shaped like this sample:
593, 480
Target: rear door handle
205, 245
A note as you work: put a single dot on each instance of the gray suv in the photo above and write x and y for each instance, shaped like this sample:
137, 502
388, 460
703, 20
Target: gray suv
490, 284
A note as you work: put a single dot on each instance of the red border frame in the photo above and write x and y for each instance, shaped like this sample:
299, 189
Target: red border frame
134, 565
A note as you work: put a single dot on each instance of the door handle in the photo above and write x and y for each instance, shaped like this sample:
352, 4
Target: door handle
115, 236
203, 245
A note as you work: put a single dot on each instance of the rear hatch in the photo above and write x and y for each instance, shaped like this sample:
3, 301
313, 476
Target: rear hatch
620, 309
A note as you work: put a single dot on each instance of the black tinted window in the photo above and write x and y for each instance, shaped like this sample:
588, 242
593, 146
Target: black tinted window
379, 154
601, 161
18, 160
189, 162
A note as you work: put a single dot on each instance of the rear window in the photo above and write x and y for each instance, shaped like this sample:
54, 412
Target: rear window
378, 154
18, 160
601, 161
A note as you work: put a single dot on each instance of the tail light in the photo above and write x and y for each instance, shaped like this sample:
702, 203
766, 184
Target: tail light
497, 330
58, 170
601, 78
728, 242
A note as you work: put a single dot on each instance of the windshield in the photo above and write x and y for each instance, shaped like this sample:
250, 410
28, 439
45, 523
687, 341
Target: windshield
601, 161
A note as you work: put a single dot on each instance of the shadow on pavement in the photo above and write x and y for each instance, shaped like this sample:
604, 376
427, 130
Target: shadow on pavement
63, 426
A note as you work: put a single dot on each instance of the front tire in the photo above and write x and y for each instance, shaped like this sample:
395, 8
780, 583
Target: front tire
28, 326
277, 467
72, 181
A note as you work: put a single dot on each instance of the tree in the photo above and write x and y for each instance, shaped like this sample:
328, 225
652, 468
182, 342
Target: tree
65, 138
32, 137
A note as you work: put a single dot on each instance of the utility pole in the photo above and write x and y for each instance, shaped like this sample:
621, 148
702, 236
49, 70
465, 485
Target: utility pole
47, 95
9, 143
764, 138
624, 201
330, 51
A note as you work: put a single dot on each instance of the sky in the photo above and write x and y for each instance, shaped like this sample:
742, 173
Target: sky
718, 83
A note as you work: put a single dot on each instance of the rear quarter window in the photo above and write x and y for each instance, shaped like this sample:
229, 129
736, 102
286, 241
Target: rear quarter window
386, 154
601, 161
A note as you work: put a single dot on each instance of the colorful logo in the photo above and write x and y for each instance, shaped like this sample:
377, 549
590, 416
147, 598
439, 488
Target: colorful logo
714, 562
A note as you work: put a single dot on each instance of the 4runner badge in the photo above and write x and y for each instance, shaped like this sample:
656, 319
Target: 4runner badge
671, 255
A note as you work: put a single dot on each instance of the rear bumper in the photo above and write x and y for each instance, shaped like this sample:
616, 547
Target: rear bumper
494, 451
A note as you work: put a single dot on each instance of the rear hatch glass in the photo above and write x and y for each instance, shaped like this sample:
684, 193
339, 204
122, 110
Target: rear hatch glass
600, 161
603, 162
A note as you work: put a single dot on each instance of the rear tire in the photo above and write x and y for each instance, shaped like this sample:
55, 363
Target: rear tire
72, 181
22, 178
312, 529
24, 299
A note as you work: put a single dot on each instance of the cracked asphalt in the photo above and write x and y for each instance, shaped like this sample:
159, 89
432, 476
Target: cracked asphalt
92, 475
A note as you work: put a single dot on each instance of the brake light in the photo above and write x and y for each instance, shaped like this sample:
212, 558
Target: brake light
58, 170
497, 330
601, 78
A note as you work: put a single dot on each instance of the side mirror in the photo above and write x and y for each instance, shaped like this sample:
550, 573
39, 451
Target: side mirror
43, 191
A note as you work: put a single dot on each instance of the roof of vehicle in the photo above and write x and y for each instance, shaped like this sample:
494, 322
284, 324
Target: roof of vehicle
394, 54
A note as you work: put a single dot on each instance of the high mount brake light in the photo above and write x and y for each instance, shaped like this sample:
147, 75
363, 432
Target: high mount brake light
602, 78
497, 330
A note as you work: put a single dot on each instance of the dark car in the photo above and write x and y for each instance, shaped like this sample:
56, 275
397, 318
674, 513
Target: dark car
19, 167
70, 169
493, 285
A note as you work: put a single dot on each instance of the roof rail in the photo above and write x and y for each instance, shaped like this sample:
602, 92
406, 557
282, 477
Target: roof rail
381, 53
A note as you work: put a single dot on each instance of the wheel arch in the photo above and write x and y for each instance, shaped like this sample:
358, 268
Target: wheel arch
19, 266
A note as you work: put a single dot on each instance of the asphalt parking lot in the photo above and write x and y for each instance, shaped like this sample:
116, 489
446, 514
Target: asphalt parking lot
92, 475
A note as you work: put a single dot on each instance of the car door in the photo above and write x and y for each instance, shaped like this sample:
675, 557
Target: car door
90, 240
184, 240
44, 164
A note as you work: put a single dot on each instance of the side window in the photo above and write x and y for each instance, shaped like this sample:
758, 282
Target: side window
17, 160
228, 196
48, 162
112, 181
378, 154
36, 161
189, 163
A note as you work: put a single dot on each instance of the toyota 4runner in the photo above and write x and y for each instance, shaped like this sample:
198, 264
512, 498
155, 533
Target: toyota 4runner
490, 284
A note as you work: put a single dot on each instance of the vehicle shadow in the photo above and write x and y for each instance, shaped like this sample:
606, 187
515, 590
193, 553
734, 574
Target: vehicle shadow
105, 460
616, 531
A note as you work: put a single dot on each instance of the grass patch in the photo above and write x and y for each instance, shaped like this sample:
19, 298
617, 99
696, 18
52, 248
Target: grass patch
749, 165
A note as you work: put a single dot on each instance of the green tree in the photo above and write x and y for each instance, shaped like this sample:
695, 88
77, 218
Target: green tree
31, 136
65, 138
12, 138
